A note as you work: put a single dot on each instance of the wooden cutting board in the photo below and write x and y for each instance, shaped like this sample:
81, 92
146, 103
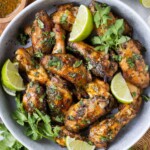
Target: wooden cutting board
142, 144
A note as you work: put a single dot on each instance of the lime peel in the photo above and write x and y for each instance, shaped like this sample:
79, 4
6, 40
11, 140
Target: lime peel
73, 144
145, 3
82, 26
11, 78
120, 89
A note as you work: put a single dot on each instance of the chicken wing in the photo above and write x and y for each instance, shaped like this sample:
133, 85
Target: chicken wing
98, 62
65, 15
60, 39
102, 29
105, 131
59, 98
133, 65
61, 139
34, 98
42, 39
27, 63
67, 67
86, 111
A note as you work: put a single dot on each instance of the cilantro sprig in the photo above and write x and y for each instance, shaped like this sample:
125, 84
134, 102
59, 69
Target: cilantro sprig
101, 15
38, 124
112, 38
8, 141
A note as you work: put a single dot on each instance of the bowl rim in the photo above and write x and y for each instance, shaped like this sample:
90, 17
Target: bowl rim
29, 7
15, 12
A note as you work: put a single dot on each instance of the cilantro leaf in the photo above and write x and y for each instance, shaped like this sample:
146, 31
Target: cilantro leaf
101, 16
77, 63
8, 141
112, 38
40, 23
38, 124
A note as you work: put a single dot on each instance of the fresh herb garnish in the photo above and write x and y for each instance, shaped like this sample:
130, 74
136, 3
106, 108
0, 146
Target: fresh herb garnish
112, 38
55, 62
73, 75
117, 58
59, 119
49, 38
70, 117
133, 94
104, 139
8, 141
38, 124
40, 23
146, 98
63, 19
101, 16
38, 54
77, 63
23, 38
130, 62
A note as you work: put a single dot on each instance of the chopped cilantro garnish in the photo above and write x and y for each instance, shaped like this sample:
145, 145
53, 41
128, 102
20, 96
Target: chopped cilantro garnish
63, 19
77, 63
40, 23
101, 15
55, 62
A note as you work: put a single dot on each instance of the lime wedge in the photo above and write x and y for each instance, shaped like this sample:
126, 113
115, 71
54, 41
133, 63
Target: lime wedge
82, 26
145, 3
8, 91
73, 144
11, 78
120, 89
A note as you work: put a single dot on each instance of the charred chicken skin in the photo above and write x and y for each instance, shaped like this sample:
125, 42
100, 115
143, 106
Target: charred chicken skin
98, 62
105, 131
34, 98
133, 65
65, 16
41, 33
60, 40
86, 111
64, 66
59, 98
61, 138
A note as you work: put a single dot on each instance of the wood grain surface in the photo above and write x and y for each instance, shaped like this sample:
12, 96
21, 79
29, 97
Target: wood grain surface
142, 144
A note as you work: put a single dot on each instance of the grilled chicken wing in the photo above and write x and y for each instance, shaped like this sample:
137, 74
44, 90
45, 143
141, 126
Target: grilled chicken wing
133, 65
65, 15
34, 98
98, 62
59, 98
61, 139
105, 131
86, 111
29, 65
64, 66
41, 33
24, 59
60, 40
102, 29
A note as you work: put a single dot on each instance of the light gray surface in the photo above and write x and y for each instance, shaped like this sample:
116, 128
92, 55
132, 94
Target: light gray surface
130, 134
141, 10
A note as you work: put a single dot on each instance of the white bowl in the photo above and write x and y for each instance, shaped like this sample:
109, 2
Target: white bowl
132, 132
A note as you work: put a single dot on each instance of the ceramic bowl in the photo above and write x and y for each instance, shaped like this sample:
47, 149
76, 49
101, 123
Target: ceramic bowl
14, 13
129, 134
